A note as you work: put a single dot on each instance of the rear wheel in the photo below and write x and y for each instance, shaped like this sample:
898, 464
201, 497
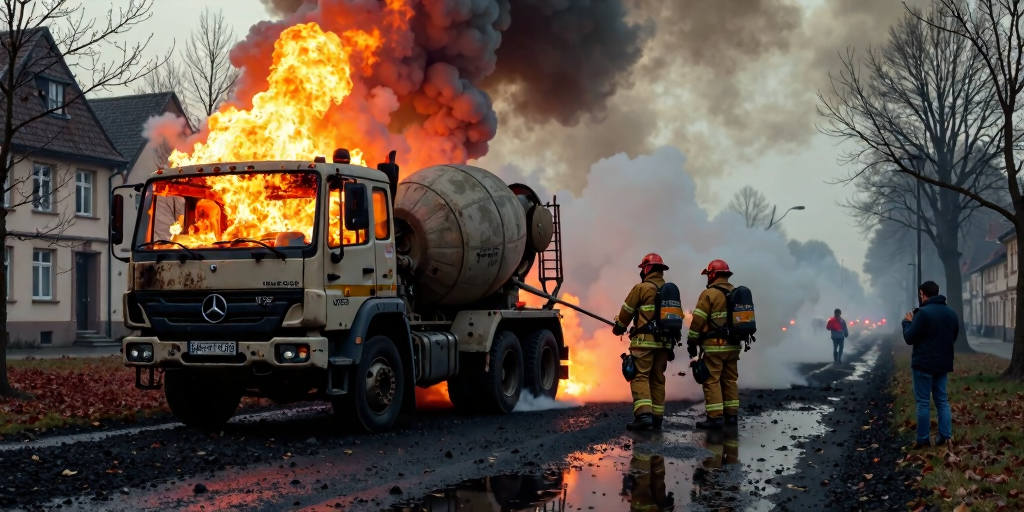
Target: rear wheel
376, 386
503, 380
199, 401
540, 358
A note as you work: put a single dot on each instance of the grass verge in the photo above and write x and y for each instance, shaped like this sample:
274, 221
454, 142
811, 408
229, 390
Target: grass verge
983, 468
84, 392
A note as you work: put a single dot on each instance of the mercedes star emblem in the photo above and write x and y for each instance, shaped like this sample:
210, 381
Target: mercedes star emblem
215, 308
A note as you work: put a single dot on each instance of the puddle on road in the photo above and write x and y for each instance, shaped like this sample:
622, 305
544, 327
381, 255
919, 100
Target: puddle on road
731, 469
864, 365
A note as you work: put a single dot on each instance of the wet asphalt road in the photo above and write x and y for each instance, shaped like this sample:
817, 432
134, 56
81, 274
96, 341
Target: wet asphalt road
796, 449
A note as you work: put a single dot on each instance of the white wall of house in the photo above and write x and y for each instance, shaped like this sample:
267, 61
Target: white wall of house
56, 284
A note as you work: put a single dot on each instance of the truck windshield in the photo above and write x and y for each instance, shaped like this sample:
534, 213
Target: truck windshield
229, 210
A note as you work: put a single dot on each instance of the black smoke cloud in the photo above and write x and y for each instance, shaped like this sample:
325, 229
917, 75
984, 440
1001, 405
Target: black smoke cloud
552, 60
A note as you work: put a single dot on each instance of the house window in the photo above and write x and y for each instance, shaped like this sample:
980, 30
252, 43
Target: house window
7, 270
7, 188
83, 193
42, 188
55, 98
42, 274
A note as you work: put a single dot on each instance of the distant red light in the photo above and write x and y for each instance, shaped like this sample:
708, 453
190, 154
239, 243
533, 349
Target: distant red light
792, 322
783, 328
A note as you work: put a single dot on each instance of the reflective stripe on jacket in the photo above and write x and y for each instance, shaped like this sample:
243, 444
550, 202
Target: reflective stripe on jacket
640, 302
710, 314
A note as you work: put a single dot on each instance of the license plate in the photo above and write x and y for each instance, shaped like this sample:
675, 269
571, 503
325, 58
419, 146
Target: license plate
212, 348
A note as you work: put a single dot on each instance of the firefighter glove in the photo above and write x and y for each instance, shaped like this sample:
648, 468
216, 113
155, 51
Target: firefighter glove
618, 330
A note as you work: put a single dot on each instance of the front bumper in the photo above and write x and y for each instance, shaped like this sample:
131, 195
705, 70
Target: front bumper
175, 353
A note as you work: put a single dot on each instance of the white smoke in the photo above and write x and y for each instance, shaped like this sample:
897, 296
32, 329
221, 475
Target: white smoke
630, 207
529, 403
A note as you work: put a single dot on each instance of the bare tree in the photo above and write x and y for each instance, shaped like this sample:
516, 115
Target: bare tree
168, 77
993, 29
922, 103
209, 74
101, 61
751, 204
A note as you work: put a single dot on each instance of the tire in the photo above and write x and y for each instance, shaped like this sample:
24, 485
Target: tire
503, 381
540, 358
464, 388
376, 387
200, 402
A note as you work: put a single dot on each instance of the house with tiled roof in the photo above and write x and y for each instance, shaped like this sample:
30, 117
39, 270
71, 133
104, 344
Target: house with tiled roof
125, 118
55, 254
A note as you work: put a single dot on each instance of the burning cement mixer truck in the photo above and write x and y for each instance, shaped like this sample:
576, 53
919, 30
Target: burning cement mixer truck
316, 280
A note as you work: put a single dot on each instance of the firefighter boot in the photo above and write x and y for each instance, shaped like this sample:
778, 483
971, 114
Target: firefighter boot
641, 422
731, 420
656, 422
711, 423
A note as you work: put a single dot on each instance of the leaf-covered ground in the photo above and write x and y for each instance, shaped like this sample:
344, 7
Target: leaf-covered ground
983, 468
68, 391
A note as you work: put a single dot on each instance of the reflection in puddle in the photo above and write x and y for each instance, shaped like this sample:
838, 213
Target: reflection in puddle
502, 493
865, 364
731, 469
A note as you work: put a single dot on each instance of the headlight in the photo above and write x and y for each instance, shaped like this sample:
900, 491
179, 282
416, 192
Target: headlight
292, 353
140, 353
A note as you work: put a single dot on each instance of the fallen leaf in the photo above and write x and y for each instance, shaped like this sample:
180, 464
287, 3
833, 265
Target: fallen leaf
869, 476
797, 487
35, 457
961, 492
348, 452
971, 475
68, 472
962, 508
997, 479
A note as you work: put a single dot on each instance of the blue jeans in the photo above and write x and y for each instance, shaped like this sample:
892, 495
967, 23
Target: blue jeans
927, 387
837, 349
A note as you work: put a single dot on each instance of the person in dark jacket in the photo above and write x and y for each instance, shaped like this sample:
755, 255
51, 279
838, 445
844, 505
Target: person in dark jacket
931, 330
837, 326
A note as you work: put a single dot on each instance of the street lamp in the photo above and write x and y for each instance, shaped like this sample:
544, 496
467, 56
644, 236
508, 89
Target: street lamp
913, 161
772, 222
913, 296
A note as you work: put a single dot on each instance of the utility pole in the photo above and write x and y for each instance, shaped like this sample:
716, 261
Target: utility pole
919, 280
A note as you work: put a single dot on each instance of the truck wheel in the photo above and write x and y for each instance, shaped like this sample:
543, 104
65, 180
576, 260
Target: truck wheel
377, 387
503, 381
541, 362
200, 402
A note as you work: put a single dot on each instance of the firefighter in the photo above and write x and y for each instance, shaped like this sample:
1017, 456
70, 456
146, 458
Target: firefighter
651, 356
721, 392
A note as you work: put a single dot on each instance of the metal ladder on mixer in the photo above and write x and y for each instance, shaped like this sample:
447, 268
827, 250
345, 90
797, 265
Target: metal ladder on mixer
550, 269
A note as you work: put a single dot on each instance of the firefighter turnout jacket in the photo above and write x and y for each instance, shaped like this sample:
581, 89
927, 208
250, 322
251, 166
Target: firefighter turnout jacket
640, 303
710, 314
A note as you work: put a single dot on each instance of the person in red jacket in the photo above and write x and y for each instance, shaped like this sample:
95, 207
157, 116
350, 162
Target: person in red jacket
837, 326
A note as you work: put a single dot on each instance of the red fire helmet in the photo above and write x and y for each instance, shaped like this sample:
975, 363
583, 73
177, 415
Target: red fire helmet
651, 261
716, 267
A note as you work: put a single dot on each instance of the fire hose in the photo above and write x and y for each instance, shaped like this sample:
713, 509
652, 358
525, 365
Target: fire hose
540, 293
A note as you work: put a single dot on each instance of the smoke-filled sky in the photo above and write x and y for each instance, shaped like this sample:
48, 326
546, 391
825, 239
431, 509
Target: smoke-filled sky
730, 83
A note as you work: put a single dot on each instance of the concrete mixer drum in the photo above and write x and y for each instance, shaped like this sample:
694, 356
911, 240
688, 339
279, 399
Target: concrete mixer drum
463, 229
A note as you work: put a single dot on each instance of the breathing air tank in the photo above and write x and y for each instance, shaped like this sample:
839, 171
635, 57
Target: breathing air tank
465, 232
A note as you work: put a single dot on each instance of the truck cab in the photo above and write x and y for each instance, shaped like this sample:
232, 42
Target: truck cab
282, 280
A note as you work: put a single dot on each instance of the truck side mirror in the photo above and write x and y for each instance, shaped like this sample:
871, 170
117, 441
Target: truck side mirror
357, 211
117, 222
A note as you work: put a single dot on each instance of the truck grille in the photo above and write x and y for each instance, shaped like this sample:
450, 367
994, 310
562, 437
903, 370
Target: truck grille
250, 315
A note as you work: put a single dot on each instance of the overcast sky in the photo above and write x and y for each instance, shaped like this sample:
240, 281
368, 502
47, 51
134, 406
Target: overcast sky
797, 175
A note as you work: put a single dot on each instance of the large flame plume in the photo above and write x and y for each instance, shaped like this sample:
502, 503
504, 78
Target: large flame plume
312, 71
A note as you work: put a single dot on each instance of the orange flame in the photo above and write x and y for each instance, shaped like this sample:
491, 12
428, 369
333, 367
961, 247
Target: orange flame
311, 72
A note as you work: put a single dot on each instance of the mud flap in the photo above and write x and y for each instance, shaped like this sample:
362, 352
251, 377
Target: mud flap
563, 372
152, 383
337, 375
